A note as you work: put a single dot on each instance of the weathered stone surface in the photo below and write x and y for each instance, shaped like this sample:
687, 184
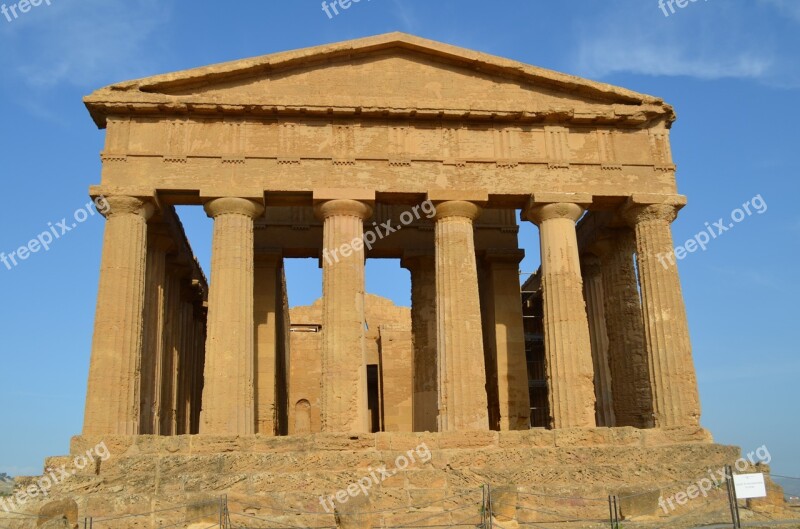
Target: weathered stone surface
673, 382
570, 374
460, 366
228, 391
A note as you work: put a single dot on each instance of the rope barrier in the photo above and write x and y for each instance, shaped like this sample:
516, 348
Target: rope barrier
174, 508
291, 511
246, 515
600, 500
433, 515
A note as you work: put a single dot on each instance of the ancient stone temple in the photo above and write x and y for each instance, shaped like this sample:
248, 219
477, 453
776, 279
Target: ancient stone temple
390, 147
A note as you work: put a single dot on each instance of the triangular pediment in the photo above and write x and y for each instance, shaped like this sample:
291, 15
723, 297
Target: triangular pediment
390, 74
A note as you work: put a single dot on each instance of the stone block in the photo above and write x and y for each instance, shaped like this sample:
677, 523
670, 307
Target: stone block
568, 437
215, 444
637, 502
426, 479
475, 439
675, 435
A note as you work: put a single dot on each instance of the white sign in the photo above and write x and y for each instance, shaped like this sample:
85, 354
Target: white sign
749, 486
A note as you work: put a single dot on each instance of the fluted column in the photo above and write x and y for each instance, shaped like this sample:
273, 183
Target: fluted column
594, 295
672, 376
228, 397
267, 290
627, 355
112, 399
344, 367
152, 346
505, 337
460, 366
423, 329
570, 374
171, 348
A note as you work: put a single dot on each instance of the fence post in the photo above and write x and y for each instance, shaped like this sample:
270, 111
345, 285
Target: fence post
227, 513
613, 510
483, 506
489, 504
734, 503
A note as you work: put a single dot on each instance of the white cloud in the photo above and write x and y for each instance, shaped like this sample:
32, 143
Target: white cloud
84, 43
736, 39
605, 57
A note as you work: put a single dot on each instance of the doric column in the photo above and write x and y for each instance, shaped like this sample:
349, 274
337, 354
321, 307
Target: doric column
627, 356
344, 366
267, 290
672, 376
594, 294
171, 348
112, 399
159, 244
186, 361
460, 366
570, 374
197, 373
423, 329
228, 398
505, 338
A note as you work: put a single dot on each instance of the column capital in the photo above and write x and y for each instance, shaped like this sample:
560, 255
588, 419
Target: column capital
343, 207
268, 258
538, 213
128, 205
458, 208
634, 214
415, 258
507, 256
233, 206
590, 265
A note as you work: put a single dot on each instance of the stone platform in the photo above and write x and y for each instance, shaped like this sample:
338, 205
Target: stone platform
534, 476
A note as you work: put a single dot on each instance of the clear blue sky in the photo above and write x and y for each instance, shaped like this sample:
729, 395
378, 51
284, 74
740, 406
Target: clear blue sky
729, 67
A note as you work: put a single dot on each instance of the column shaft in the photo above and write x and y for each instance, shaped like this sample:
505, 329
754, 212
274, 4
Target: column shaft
630, 380
423, 330
228, 395
171, 356
594, 294
570, 374
344, 373
461, 371
266, 328
672, 376
113, 394
153, 331
505, 338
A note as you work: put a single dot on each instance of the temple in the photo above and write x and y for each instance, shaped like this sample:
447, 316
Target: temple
551, 387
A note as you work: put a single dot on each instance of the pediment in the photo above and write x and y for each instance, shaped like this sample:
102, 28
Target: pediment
389, 74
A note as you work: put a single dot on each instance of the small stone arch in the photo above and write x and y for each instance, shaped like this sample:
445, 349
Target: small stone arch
302, 417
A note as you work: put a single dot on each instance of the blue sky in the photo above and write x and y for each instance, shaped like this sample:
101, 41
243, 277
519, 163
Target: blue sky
729, 67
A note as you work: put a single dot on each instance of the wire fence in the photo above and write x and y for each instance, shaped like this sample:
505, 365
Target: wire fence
707, 501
